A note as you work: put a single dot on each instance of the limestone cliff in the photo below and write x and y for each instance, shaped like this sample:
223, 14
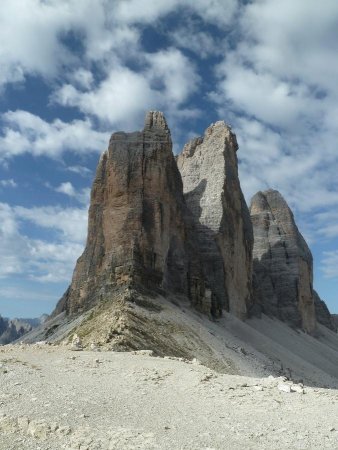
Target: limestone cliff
138, 229
283, 275
209, 171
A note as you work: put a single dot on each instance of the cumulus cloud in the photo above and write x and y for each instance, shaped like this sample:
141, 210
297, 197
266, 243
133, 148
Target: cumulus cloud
82, 78
45, 261
120, 97
37, 32
282, 104
166, 81
23, 132
8, 183
82, 195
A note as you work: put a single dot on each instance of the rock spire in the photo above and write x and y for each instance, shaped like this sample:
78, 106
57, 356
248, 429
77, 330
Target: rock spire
138, 233
282, 262
212, 191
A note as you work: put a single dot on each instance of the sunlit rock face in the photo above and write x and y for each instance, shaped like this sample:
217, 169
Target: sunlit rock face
138, 230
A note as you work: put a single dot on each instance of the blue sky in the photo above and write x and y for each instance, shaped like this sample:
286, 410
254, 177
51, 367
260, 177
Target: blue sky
72, 72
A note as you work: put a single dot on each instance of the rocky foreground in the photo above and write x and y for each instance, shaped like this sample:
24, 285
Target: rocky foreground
55, 398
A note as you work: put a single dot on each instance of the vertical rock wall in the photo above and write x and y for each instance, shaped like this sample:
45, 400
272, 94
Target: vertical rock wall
209, 171
137, 229
282, 262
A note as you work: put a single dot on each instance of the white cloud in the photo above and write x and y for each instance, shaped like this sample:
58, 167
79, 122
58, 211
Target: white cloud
219, 12
37, 32
29, 36
266, 96
8, 183
175, 72
24, 132
147, 11
282, 103
71, 223
121, 97
203, 44
53, 262
42, 260
83, 78
166, 81
329, 264
68, 189
80, 170
298, 42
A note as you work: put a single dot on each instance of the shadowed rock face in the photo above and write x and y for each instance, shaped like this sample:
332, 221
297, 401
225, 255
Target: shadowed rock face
209, 171
323, 315
282, 263
138, 229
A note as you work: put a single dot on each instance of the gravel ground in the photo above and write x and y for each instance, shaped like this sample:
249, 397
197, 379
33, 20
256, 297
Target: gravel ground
54, 398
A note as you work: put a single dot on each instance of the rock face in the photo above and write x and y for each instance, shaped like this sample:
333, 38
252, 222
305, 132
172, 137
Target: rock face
282, 264
139, 231
323, 315
11, 330
209, 171
144, 233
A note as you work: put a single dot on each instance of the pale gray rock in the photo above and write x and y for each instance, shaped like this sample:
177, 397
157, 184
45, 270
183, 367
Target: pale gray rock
284, 387
76, 344
297, 388
283, 272
209, 171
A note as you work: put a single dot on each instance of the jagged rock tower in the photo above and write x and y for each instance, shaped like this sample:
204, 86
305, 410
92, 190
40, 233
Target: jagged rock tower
143, 232
282, 264
212, 190
138, 232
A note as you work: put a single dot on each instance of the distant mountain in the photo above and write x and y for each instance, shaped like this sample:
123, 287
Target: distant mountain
13, 329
